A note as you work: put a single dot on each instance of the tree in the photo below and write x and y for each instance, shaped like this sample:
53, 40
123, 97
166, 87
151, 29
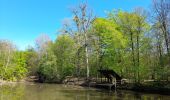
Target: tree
64, 50
162, 15
134, 26
42, 43
126, 24
111, 42
83, 19
48, 69
20, 69
12, 62
142, 27
32, 60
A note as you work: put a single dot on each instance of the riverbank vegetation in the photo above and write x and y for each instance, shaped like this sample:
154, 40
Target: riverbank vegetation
134, 44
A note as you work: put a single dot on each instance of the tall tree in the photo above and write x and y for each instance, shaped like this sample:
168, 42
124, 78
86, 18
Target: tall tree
64, 50
83, 19
42, 43
162, 15
142, 27
7, 50
134, 26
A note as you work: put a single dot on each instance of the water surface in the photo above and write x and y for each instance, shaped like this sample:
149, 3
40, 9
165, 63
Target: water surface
36, 91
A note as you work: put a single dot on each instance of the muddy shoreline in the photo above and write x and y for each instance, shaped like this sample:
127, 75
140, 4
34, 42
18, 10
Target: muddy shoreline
143, 88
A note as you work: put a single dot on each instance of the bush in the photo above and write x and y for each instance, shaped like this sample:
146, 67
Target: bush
47, 71
16, 69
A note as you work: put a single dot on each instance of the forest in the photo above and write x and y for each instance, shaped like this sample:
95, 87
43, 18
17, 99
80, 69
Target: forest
135, 44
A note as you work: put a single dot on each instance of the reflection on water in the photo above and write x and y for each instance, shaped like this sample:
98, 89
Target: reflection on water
31, 91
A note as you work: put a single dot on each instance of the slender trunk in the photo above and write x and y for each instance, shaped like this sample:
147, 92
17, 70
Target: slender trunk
160, 55
101, 54
78, 66
87, 63
78, 51
87, 56
164, 29
167, 44
167, 47
138, 57
133, 54
165, 32
78, 63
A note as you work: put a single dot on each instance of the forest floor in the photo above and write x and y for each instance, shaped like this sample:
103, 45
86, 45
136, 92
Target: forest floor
161, 87
149, 87
27, 79
4, 82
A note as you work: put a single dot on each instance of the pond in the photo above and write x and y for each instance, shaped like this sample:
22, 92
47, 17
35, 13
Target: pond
37, 91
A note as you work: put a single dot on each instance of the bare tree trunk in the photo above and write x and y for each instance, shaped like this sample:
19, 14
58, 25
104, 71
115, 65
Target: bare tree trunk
78, 65
164, 29
86, 51
87, 61
162, 12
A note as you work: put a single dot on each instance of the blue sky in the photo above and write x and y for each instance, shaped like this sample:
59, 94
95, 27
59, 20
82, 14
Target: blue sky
22, 21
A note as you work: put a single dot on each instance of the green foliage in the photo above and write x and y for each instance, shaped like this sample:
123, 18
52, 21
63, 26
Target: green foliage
135, 27
124, 42
12, 63
48, 68
65, 52
20, 69
32, 61
17, 69
58, 61
111, 43
109, 34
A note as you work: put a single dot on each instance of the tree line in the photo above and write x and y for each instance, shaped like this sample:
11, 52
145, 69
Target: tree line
134, 44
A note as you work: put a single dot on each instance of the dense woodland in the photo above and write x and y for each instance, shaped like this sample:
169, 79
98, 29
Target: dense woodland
134, 44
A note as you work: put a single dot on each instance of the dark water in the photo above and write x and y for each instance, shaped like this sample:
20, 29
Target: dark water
32, 91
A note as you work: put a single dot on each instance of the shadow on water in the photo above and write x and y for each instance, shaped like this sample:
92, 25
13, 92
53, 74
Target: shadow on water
34, 91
